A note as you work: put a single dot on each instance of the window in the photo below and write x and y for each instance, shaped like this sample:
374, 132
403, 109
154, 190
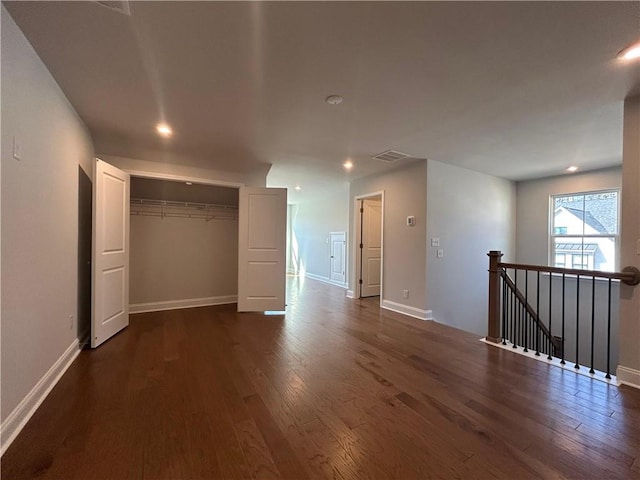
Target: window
584, 230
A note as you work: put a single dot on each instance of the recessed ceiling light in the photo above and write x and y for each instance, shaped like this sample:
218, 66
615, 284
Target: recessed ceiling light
334, 99
572, 169
348, 165
297, 187
189, 183
632, 52
164, 129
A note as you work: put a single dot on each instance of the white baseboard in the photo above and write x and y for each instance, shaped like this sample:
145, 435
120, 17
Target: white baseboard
350, 294
568, 366
407, 310
177, 304
320, 278
20, 415
628, 376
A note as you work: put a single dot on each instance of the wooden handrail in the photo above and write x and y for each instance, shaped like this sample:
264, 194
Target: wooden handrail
629, 275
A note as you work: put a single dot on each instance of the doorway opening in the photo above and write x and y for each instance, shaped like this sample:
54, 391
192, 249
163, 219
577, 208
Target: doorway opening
85, 226
369, 222
183, 244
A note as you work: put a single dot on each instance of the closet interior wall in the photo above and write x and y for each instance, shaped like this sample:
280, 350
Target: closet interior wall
184, 245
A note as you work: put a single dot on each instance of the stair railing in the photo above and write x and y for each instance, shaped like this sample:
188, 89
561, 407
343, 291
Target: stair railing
523, 311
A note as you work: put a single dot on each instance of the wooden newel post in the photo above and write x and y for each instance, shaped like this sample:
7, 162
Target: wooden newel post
493, 334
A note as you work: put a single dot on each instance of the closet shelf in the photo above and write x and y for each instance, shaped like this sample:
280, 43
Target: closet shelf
165, 208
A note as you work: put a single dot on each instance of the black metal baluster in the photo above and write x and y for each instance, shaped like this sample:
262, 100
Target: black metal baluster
537, 330
526, 302
577, 365
513, 318
504, 309
550, 345
518, 310
593, 319
608, 375
532, 331
563, 309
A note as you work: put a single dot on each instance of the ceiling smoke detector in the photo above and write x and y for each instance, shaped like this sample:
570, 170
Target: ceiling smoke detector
391, 156
120, 7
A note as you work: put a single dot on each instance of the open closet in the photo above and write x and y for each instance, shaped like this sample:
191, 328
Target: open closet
183, 244
165, 243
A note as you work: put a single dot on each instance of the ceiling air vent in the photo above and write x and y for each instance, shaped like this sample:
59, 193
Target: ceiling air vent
391, 156
120, 7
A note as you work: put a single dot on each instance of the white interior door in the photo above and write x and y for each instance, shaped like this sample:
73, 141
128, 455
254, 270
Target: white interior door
338, 242
110, 286
371, 252
262, 228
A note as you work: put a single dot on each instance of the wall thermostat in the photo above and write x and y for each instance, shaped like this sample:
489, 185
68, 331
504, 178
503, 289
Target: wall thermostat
411, 221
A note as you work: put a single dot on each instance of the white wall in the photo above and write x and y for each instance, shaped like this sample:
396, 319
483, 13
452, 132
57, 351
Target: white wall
312, 220
471, 213
171, 170
404, 247
532, 214
630, 239
182, 259
39, 217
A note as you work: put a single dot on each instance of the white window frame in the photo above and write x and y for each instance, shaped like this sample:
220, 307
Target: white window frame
553, 236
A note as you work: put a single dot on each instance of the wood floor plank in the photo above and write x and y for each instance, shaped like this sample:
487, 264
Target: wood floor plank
255, 450
334, 389
281, 451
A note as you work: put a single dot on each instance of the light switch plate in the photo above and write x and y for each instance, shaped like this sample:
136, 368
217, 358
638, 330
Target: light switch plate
439, 253
435, 242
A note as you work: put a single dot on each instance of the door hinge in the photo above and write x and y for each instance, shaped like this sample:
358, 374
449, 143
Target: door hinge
361, 210
360, 281
362, 245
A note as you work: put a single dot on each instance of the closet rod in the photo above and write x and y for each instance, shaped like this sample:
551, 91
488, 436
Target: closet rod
202, 216
168, 203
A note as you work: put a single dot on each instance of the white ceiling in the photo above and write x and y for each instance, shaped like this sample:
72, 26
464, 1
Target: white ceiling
514, 89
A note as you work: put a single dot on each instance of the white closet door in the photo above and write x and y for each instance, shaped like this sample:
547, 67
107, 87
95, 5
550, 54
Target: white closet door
110, 288
372, 247
262, 228
338, 256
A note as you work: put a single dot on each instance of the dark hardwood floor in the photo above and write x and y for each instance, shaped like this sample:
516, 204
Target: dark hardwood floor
336, 388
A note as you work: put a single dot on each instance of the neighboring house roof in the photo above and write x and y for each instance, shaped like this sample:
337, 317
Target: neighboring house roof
576, 247
603, 212
589, 219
